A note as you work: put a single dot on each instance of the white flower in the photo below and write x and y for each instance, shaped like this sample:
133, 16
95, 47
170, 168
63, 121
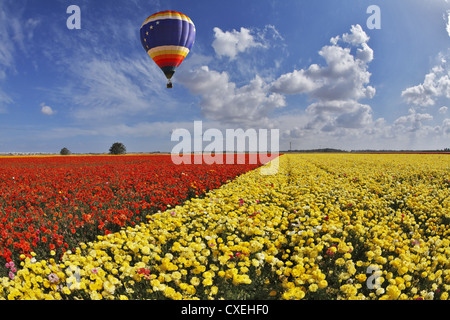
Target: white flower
261, 256
296, 224
429, 296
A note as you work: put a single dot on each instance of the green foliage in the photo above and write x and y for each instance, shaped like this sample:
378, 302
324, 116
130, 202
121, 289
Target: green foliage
118, 148
64, 152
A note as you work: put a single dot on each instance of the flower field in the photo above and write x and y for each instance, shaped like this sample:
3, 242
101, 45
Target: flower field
53, 203
326, 226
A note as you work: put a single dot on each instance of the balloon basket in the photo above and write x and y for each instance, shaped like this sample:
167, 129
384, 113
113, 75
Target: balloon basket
169, 84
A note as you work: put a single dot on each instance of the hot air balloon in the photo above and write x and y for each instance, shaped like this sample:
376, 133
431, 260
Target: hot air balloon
167, 37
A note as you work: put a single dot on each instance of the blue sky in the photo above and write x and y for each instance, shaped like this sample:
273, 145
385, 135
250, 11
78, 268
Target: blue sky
312, 69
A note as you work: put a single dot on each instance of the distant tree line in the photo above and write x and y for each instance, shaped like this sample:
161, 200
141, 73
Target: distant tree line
332, 150
322, 150
119, 148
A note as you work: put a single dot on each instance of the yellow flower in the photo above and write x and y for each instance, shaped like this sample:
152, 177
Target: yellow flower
191, 289
342, 247
349, 289
323, 284
145, 250
402, 270
109, 287
313, 287
176, 275
207, 282
66, 290
340, 262
94, 295
255, 263
361, 277
195, 281
393, 291
155, 283
295, 293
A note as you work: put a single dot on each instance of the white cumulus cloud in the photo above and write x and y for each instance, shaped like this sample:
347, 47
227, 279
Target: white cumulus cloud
413, 121
447, 20
47, 110
230, 43
356, 37
223, 100
436, 84
338, 85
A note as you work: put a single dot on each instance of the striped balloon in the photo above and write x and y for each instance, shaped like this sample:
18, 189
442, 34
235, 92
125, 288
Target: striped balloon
167, 37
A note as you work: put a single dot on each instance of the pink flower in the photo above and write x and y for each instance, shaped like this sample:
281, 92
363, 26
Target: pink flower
94, 270
11, 275
53, 278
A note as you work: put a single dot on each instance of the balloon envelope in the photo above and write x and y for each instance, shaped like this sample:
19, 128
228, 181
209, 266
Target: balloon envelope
167, 37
